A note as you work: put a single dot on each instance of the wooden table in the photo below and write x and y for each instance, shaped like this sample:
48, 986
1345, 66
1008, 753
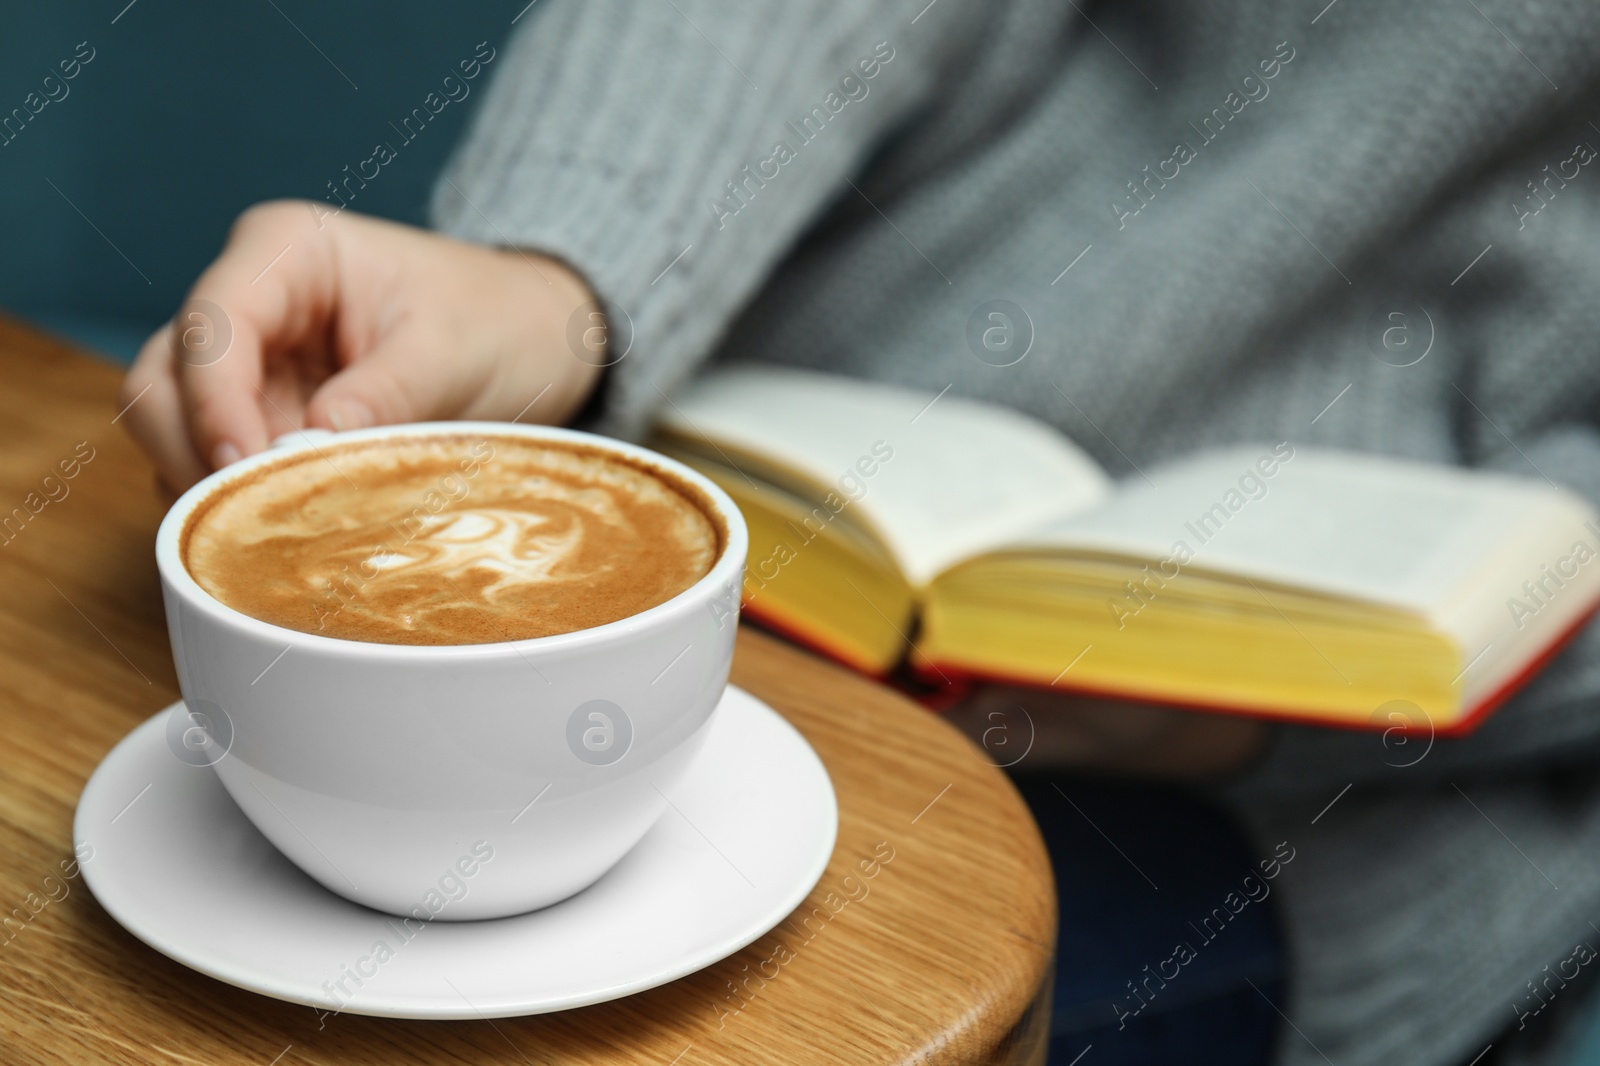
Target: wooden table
947, 959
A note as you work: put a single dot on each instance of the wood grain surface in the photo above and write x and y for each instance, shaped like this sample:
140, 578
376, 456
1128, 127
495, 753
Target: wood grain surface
946, 958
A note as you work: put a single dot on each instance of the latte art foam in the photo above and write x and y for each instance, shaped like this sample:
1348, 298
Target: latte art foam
449, 540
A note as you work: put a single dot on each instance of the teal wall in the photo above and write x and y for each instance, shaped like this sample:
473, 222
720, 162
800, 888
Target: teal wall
187, 113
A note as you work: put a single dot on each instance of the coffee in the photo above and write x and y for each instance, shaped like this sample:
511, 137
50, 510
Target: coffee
450, 540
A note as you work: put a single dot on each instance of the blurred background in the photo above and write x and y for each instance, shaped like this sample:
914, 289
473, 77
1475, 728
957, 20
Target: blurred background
119, 191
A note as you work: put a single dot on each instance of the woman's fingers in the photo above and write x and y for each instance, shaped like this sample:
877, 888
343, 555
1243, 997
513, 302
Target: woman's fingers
1035, 728
408, 377
271, 293
344, 322
153, 412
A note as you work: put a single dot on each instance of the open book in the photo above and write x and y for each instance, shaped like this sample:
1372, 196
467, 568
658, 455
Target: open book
1275, 579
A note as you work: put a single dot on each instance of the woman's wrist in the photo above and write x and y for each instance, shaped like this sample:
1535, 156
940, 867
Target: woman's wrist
572, 333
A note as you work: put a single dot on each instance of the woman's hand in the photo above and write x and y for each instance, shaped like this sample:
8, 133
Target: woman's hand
344, 321
1035, 729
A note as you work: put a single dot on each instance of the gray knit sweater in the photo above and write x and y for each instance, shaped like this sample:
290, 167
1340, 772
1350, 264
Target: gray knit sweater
1367, 225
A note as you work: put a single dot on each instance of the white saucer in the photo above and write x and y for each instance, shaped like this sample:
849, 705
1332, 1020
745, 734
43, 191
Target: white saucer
178, 865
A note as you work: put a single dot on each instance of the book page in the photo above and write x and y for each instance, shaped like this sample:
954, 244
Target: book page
1443, 542
935, 477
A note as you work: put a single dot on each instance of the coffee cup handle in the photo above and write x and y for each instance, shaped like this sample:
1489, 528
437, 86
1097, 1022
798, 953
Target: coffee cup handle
301, 436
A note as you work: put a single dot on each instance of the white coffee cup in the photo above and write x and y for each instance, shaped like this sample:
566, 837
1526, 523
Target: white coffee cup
456, 781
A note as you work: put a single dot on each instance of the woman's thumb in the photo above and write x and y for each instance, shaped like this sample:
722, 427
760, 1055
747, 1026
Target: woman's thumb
395, 382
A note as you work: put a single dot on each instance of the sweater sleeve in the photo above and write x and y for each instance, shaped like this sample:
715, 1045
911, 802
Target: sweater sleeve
672, 151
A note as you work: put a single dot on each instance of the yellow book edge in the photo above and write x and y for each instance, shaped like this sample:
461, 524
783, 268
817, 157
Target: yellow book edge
813, 572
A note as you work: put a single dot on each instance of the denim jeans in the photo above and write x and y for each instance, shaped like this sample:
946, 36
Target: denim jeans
1166, 952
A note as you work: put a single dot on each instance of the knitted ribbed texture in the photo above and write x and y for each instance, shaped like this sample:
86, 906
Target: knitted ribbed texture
1246, 285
